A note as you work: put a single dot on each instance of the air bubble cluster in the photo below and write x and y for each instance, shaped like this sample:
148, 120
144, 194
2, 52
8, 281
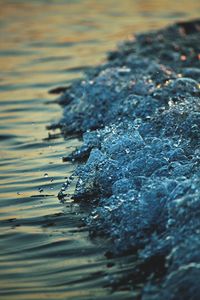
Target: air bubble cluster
140, 120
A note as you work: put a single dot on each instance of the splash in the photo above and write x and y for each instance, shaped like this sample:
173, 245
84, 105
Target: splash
139, 114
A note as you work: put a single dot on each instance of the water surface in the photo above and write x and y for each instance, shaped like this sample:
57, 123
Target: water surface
44, 44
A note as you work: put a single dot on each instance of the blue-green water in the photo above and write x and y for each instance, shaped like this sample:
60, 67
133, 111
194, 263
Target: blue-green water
44, 44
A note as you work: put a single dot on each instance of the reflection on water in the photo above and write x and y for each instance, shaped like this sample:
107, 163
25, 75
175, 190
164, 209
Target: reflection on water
44, 44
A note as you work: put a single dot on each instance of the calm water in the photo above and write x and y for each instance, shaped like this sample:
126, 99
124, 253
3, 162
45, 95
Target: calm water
44, 252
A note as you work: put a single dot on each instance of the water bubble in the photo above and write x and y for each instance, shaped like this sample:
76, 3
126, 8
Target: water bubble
124, 70
170, 103
95, 217
127, 151
80, 181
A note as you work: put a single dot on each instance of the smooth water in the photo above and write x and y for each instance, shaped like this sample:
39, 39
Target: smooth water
45, 253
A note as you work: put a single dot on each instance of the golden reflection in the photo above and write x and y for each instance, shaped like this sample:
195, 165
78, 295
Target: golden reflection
40, 41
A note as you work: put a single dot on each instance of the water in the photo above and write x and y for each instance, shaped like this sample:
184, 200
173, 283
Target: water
45, 253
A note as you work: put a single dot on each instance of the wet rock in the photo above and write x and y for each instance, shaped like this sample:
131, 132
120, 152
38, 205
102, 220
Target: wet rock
140, 118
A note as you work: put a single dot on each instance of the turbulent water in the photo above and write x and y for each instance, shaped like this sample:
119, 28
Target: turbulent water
141, 151
44, 44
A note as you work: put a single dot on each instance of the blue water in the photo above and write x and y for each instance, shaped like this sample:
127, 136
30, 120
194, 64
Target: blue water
44, 251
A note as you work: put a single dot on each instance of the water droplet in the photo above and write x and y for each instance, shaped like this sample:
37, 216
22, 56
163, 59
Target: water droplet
95, 217
127, 151
170, 103
46, 175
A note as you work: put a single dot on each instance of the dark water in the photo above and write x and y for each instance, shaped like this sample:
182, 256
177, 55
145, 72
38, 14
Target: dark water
44, 251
